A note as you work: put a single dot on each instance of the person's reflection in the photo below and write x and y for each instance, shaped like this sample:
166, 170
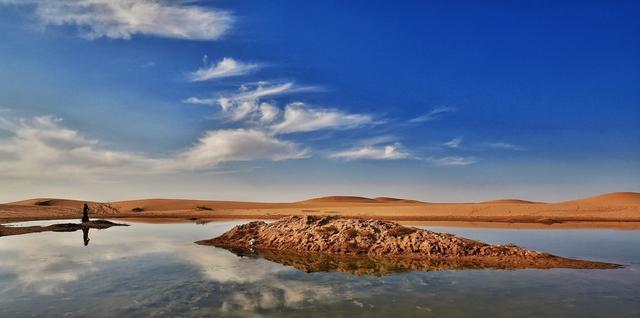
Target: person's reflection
85, 235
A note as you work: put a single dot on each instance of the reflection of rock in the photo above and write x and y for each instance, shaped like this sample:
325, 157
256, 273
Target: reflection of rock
63, 227
381, 247
379, 266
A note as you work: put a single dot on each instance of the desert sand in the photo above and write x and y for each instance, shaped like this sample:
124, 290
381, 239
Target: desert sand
618, 209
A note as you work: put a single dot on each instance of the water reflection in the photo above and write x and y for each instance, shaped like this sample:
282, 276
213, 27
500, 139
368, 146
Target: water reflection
363, 265
85, 236
60, 227
156, 270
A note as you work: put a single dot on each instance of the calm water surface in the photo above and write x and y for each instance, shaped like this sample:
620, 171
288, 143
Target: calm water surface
156, 270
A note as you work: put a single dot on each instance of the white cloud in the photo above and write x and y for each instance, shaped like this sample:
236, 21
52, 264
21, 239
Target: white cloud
265, 89
453, 161
382, 139
504, 145
453, 143
389, 152
433, 114
43, 147
268, 112
224, 68
238, 145
300, 118
200, 101
246, 105
121, 19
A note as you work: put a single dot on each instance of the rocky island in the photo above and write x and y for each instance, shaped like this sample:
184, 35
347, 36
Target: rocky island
313, 243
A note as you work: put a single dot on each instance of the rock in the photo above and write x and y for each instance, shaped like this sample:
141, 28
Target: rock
332, 235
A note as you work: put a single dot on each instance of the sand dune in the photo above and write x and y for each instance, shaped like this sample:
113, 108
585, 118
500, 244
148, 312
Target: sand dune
509, 201
51, 202
396, 200
355, 200
343, 199
613, 198
610, 207
179, 204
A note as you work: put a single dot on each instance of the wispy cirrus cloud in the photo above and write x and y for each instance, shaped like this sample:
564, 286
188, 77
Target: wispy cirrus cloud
433, 114
504, 145
247, 105
122, 19
200, 101
263, 89
226, 67
388, 152
298, 117
453, 161
246, 101
377, 140
453, 143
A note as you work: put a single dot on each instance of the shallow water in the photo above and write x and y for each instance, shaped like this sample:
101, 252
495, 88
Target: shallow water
157, 270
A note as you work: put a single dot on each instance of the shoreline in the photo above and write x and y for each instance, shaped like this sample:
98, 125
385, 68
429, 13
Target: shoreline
435, 221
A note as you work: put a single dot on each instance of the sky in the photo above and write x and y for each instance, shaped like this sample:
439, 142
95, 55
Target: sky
444, 101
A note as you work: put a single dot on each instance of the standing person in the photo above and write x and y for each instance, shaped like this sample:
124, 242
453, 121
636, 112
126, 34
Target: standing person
85, 213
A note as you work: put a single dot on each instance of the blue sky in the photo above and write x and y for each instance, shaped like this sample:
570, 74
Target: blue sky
262, 100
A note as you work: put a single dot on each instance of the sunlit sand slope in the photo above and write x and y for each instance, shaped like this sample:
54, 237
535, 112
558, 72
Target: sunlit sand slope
619, 206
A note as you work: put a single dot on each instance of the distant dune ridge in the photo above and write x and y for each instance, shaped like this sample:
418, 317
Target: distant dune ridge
614, 198
509, 201
609, 207
353, 199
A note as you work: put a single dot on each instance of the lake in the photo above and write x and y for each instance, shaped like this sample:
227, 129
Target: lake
157, 270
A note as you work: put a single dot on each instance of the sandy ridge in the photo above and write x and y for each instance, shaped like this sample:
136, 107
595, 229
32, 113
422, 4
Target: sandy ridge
610, 207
